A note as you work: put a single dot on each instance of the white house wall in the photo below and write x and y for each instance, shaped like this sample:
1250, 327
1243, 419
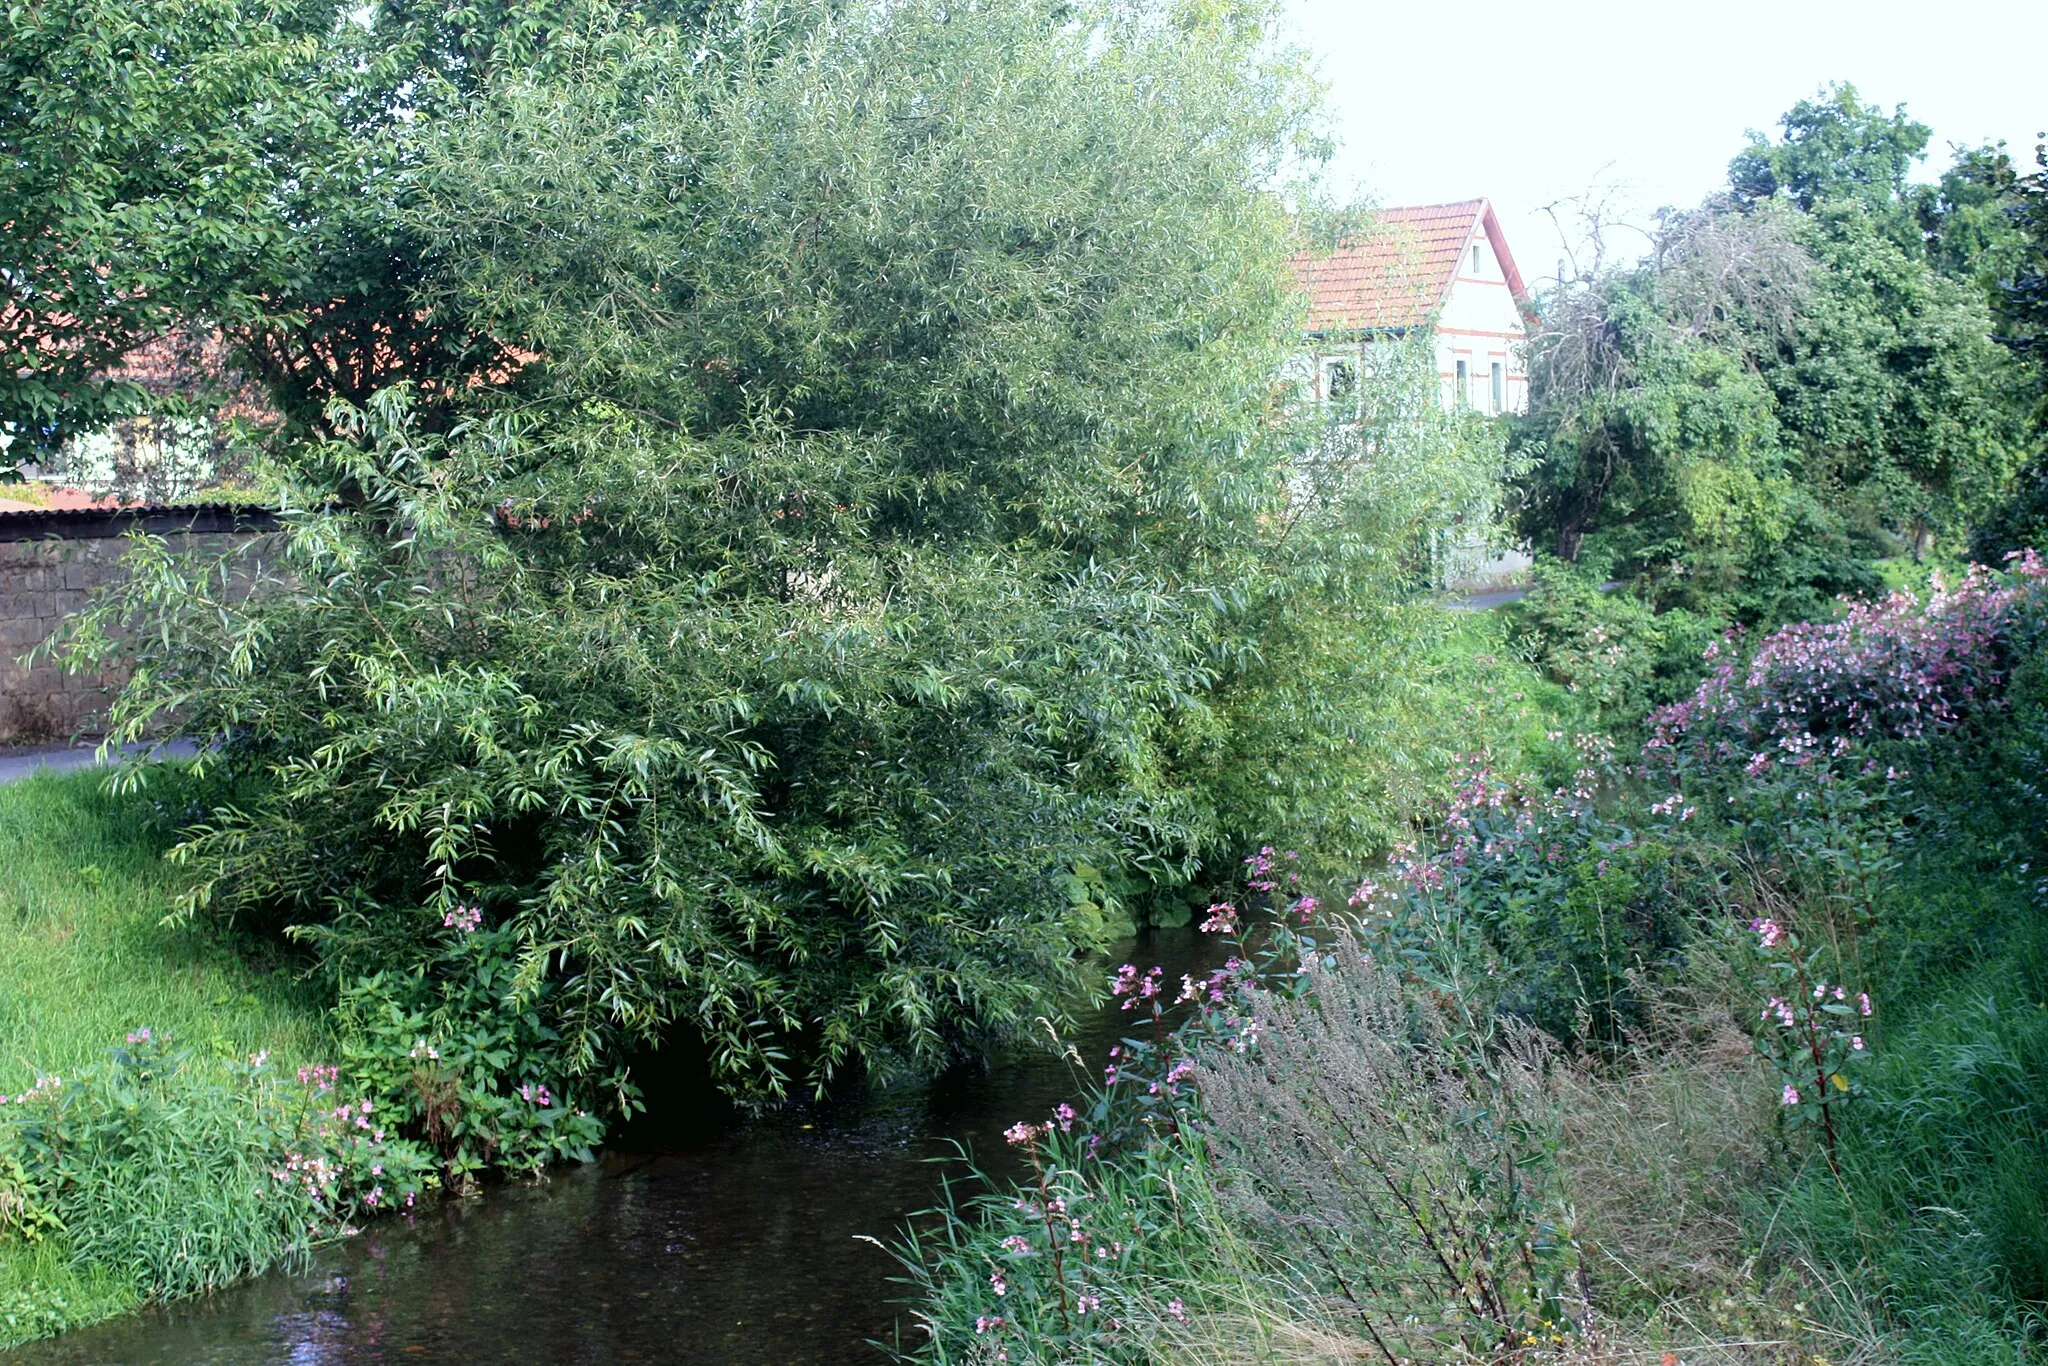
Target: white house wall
1480, 325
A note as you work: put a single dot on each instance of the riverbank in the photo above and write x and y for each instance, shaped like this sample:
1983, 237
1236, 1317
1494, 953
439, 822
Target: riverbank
1787, 1106
85, 961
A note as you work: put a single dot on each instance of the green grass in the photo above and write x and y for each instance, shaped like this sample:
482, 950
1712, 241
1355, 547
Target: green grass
84, 959
1941, 1210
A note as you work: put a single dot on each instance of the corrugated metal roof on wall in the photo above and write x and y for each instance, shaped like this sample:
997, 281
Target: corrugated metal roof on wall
18, 523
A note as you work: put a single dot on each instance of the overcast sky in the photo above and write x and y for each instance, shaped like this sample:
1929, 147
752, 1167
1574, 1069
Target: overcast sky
1530, 103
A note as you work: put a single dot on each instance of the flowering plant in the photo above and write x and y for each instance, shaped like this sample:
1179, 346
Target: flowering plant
459, 1057
1544, 902
1811, 1032
1901, 668
277, 1163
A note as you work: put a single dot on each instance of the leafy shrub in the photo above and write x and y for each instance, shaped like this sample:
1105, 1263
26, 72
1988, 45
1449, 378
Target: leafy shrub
1613, 652
457, 1054
1550, 905
772, 673
181, 1175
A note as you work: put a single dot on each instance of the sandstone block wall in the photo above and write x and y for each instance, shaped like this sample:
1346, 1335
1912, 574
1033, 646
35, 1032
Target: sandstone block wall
45, 579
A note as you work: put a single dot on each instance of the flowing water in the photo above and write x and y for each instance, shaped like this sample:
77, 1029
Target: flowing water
698, 1239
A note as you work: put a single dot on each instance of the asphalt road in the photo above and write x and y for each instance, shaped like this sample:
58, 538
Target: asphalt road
16, 764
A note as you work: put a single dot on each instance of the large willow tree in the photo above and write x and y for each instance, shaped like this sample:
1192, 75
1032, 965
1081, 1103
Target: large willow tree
883, 521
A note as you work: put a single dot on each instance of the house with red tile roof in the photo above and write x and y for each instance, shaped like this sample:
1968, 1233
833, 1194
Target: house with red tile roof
1443, 270
1443, 267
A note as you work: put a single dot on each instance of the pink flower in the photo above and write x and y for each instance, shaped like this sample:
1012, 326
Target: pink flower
1222, 919
1018, 1244
1791, 1096
1064, 1113
997, 1283
1021, 1133
1177, 1309
1856, 1042
1863, 1003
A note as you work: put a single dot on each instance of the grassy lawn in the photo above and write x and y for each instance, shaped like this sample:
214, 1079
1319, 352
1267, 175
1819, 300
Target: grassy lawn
84, 959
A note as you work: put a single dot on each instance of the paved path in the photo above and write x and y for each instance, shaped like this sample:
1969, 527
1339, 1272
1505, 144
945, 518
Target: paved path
16, 764
1480, 602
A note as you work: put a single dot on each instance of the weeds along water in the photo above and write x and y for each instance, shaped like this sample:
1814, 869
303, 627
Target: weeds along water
704, 1236
1793, 955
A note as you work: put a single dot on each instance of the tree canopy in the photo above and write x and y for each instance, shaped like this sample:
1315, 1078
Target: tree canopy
148, 153
858, 537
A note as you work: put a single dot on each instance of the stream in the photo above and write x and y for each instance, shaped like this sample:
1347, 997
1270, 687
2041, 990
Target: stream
697, 1238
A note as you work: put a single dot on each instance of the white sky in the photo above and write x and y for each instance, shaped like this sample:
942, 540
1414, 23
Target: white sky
1531, 103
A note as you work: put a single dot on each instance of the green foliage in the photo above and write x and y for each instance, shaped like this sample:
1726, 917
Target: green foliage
148, 147
181, 1176
888, 518
1891, 386
1968, 223
457, 1055
1659, 448
1791, 385
1836, 149
1616, 656
2019, 290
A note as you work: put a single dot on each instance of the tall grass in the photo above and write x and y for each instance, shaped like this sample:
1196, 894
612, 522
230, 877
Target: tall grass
1941, 1209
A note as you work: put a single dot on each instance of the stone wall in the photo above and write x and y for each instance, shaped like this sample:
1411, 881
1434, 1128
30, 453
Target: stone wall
50, 563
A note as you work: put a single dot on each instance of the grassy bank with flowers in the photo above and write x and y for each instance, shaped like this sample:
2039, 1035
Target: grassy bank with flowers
171, 1121
1728, 1046
84, 962
182, 1107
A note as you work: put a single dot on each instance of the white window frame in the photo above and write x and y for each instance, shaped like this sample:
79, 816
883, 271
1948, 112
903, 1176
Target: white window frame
1329, 367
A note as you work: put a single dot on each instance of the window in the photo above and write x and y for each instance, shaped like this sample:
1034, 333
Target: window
1475, 258
1500, 387
1462, 395
1340, 386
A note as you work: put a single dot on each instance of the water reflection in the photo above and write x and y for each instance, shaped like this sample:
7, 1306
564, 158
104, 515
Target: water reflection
739, 1246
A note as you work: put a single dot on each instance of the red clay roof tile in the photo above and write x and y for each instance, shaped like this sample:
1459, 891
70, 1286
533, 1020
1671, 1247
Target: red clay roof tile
1397, 272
